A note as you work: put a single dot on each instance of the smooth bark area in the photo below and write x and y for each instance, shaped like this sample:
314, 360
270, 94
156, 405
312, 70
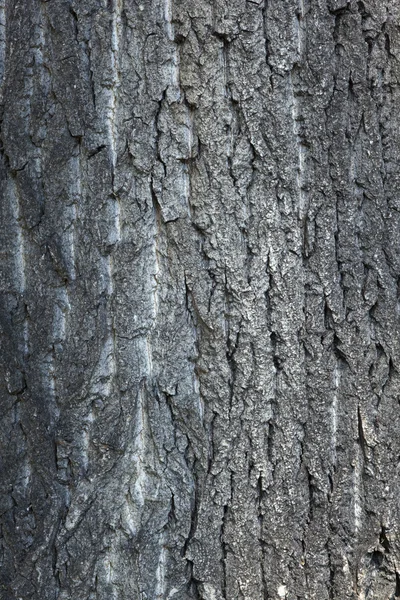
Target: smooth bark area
200, 250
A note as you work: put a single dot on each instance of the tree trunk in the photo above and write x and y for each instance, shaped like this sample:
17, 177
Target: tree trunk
199, 310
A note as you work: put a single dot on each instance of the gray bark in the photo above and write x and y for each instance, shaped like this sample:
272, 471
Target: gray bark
200, 248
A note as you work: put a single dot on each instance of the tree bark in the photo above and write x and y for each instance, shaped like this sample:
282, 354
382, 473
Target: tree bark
200, 369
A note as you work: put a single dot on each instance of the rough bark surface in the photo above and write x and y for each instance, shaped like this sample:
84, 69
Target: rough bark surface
200, 299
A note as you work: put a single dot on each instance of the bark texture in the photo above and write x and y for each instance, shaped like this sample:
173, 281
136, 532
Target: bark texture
200, 299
